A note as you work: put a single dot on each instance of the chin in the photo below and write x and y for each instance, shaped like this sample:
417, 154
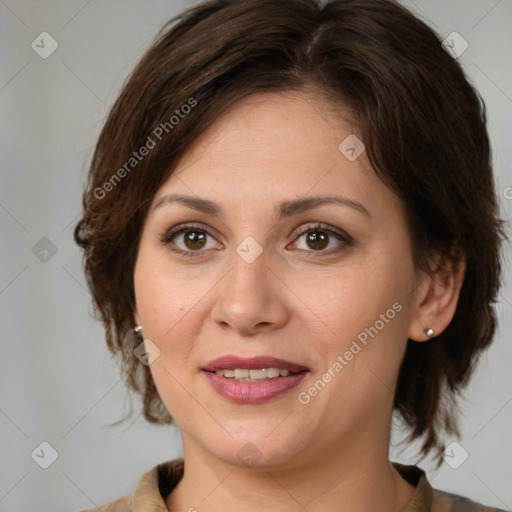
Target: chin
257, 455
251, 446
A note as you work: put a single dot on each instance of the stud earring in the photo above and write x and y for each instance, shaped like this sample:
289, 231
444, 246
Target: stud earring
429, 332
137, 328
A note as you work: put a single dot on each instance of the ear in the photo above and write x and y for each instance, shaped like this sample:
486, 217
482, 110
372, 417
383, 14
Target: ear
437, 297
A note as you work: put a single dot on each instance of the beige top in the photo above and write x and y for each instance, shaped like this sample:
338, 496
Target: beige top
158, 483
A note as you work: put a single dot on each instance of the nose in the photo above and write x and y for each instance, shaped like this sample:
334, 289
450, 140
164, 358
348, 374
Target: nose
251, 299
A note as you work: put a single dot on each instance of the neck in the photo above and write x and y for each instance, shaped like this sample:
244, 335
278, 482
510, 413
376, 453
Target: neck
343, 478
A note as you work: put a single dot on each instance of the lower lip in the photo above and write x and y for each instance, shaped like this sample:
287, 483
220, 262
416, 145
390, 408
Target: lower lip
243, 392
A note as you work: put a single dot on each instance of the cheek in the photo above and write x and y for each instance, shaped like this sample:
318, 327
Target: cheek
164, 298
165, 309
365, 315
356, 299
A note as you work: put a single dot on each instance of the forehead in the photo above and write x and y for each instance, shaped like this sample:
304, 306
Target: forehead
272, 146
289, 127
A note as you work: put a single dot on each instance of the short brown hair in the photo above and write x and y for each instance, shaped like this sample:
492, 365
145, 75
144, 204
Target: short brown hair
423, 124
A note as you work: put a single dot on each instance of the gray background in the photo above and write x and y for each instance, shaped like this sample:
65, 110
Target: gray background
58, 382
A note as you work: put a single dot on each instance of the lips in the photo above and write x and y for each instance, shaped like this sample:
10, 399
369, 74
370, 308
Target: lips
247, 392
252, 363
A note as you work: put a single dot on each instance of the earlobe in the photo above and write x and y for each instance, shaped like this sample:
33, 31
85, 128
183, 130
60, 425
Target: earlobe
430, 332
438, 296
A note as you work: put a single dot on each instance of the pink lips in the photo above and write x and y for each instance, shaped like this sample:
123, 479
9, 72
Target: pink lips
252, 392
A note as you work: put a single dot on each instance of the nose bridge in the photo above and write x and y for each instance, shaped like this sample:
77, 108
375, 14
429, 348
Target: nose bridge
248, 276
248, 296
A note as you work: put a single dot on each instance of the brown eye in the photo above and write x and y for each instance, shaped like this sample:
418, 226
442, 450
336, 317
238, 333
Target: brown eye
317, 239
194, 239
188, 240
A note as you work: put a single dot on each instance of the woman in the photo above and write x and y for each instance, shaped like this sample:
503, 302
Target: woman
290, 234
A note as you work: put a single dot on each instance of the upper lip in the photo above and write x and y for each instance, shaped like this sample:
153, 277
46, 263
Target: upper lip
230, 362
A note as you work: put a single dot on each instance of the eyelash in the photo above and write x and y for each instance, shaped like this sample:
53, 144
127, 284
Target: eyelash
177, 230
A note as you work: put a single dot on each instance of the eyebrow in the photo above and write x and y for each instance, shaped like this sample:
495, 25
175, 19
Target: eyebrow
284, 209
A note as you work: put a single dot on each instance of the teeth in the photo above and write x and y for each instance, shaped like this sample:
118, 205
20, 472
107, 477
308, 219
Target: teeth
258, 374
243, 374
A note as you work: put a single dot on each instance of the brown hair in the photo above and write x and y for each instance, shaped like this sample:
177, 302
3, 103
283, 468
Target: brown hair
424, 128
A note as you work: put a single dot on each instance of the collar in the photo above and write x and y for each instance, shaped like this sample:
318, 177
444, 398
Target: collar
157, 483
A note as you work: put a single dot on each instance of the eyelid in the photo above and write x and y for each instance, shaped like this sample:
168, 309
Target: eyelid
321, 226
185, 227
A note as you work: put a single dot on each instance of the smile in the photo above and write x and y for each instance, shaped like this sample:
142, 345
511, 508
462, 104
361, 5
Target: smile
253, 380
245, 375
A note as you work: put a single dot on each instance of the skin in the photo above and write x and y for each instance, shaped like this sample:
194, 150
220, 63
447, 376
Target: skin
291, 302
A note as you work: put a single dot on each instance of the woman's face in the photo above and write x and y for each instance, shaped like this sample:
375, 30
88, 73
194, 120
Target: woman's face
250, 274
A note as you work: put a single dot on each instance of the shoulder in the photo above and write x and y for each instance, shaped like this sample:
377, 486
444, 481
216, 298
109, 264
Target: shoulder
443, 501
428, 499
151, 490
118, 505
